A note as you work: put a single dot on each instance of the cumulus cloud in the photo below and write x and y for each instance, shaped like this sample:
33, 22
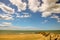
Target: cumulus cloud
33, 5
6, 17
6, 8
24, 15
45, 14
45, 21
5, 24
20, 5
56, 17
48, 7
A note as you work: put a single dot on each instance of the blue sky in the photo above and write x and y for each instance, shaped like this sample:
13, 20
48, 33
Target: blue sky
29, 15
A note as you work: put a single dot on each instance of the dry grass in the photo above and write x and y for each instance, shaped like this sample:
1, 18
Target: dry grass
20, 37
29, 37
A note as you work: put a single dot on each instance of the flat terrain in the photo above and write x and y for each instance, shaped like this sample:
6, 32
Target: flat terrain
20, 37
30, 35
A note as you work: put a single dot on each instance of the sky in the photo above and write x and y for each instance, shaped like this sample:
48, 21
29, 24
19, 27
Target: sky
29, 14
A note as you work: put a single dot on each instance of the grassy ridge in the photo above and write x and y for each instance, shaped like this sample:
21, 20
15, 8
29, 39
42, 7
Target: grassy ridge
27, 31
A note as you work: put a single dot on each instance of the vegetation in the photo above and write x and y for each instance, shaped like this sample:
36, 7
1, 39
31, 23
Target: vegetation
29, 35
27, 31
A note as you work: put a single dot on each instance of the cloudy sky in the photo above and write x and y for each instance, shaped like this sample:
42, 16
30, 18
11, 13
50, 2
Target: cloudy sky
29, 14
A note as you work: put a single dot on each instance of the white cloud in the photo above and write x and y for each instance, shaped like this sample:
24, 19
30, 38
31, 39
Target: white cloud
5, 24
33, 5
18, 28
6, 8
20, 5
6, 17
48, 7
21, 28
56, 17
25, 15
45, 14
45, 21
